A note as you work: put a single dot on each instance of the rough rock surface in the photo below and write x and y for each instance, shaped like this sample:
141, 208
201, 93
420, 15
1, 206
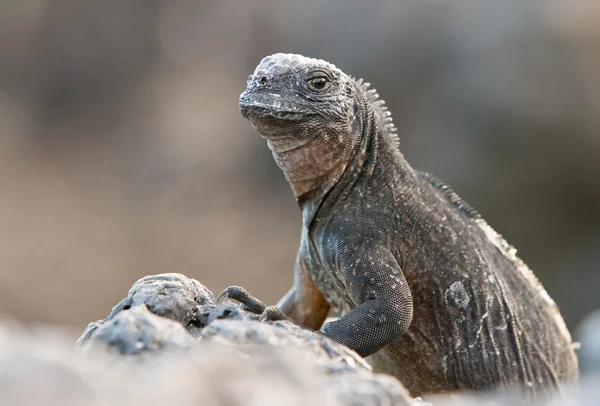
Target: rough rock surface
172, 312
283, 334
170, 295
138, 357
137, 331
36, 371
40, 368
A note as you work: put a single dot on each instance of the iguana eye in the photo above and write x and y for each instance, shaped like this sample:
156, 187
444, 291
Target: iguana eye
318, 83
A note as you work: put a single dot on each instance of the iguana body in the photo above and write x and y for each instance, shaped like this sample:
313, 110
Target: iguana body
414, 271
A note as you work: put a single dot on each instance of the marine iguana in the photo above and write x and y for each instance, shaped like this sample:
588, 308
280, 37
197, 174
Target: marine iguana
417, 275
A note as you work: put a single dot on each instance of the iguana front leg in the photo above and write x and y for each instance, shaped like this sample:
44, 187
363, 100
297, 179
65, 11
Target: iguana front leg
375, 283
303, 304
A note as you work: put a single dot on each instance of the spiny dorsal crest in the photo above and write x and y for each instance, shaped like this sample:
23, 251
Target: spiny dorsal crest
381, 110
451, 195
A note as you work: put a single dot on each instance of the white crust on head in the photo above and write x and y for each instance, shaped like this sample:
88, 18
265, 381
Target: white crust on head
277, 62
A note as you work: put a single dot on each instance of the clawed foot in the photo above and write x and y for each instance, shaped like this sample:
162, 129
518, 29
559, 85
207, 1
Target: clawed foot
252, 304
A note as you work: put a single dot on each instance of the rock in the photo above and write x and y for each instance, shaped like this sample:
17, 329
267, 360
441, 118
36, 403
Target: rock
134, 326
229, 311
282, 362
170, 295
35, 370
169, 343
282, 334
38, 370
369, 389
39, 367
135, 332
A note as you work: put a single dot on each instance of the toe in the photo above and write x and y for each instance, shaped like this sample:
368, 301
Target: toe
232, 292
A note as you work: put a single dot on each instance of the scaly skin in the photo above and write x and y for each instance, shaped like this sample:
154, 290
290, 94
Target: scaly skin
418, 276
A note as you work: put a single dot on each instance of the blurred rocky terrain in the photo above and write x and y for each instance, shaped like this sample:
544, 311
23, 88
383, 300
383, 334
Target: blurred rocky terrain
169, 341
41, 369
238, 360
122, 151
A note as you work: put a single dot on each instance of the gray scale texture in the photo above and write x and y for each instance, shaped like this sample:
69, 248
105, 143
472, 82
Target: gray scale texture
41, 368
418, 277
136, 332
281, 334
169, 295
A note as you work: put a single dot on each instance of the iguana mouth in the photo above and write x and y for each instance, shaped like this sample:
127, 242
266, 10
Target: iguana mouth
267, 105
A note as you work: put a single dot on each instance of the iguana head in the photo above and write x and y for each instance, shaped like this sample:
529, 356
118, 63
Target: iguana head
312, 115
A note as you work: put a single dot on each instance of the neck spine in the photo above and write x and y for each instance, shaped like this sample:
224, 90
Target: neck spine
380, 110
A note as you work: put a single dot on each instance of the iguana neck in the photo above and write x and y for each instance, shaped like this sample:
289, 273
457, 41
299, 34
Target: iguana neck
374, 159
312, 164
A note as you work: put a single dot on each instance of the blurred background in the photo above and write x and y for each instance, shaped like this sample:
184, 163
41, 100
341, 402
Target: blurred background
122, 151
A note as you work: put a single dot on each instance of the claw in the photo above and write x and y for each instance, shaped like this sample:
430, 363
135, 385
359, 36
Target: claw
228, 293
273, 313
241, 295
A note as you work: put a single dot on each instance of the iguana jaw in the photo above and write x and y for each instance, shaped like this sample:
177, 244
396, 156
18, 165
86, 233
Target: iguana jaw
259, 106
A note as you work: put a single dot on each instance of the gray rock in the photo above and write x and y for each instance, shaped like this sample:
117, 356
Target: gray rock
274, 359
364, 388
135, 332
41, 368
282, 334
229, 311
170, 295
230, 359
38, 370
